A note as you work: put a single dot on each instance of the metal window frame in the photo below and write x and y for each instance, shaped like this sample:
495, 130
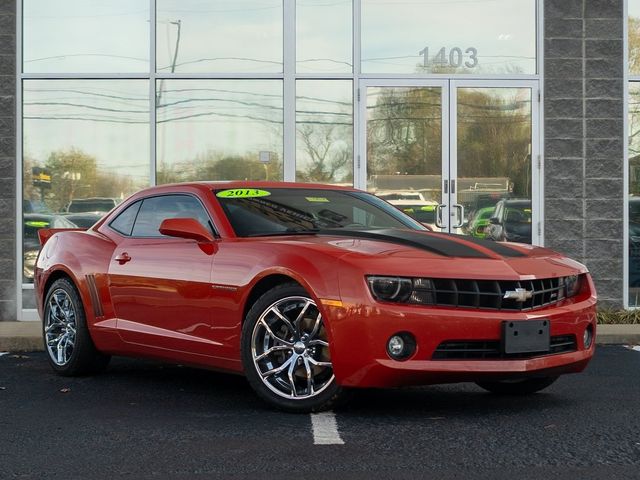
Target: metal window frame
627, 78
288, 76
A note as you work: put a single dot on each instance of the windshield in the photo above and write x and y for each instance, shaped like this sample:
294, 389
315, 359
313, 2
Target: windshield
281, 211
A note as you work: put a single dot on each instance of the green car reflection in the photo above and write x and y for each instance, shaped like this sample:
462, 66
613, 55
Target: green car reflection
479, 222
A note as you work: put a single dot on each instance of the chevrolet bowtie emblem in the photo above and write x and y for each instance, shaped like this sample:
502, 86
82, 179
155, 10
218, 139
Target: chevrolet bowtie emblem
519, 294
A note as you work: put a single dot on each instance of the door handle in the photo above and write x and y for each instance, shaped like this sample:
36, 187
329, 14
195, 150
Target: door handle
439, 208
123, 258
460, 209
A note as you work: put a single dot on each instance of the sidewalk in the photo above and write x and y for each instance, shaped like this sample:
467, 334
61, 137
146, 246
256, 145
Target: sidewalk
27, 336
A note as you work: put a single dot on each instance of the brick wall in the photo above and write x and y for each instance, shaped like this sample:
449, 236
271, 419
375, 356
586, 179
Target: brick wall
7, 160
583, 108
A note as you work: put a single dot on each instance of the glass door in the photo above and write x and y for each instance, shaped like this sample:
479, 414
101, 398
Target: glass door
493, 182
456, 155
405, 147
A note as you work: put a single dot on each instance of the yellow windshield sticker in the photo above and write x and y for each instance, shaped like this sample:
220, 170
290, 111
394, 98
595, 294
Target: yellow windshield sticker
317, 199
36, 224
243, 193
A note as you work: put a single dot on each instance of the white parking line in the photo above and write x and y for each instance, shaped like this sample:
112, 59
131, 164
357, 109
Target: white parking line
325, 429
634, 347
4, 353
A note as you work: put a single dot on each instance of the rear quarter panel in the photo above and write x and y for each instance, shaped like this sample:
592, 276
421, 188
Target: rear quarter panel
78, 254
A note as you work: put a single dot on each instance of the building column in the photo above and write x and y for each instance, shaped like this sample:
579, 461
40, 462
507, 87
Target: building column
8, 307
583, 131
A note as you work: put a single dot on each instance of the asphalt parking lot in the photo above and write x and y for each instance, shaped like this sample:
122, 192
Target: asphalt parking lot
143, 419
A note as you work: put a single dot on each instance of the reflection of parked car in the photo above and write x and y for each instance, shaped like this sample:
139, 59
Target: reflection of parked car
425, 214
84, 220
511, 221
94, 204
413, 204
34, 206
480, 221
30, 242
409, 196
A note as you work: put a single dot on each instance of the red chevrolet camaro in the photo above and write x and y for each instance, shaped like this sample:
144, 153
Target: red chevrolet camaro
309, 291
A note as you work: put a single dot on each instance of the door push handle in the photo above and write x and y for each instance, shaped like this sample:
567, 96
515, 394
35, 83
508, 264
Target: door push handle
460, 210
123, 258
439, 223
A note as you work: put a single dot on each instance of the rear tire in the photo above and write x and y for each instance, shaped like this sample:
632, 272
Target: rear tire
525, 386
65, 333
285, 352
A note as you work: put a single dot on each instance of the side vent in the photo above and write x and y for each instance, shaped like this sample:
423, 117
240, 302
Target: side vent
93, 292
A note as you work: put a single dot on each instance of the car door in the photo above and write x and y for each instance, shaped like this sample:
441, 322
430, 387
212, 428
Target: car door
161, 286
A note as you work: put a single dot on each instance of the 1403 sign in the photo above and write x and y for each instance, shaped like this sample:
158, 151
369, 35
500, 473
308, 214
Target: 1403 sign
455, 57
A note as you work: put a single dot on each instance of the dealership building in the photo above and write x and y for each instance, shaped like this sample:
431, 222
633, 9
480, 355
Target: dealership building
447, 109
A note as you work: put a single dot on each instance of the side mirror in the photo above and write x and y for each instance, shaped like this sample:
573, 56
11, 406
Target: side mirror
185, 228
494, 221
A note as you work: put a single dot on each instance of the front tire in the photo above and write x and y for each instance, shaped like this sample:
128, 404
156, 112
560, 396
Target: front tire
285, 352
525, 386
65, 333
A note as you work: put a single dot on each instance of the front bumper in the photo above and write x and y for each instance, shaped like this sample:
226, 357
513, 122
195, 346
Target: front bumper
359, 335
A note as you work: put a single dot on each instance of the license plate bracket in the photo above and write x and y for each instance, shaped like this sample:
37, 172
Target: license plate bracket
528, 336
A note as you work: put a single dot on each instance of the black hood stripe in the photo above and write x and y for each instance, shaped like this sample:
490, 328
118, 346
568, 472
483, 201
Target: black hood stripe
438, 244
496, 247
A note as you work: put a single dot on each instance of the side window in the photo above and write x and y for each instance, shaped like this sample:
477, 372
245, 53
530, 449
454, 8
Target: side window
124, 222
156, 209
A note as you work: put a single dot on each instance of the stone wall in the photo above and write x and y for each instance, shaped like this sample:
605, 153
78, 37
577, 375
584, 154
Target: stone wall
584, 157
7, 160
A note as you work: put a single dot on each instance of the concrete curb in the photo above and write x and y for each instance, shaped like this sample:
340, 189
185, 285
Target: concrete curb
27, 336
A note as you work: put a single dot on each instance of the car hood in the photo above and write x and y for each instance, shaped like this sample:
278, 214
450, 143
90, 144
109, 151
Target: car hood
438, 255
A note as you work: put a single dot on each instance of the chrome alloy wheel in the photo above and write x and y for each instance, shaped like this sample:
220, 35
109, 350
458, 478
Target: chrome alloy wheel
60, 327
290, 350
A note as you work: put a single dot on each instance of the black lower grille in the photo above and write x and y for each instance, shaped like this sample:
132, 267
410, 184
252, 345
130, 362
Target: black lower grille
490, 349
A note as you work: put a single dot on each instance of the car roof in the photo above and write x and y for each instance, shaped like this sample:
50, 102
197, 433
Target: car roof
242, 184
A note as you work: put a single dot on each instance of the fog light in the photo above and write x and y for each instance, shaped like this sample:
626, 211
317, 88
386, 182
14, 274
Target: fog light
587, 338
401, 346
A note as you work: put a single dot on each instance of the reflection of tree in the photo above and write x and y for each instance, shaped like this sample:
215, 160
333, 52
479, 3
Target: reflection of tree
634, 44
404, 132
328, 153
494, 137
71, 170
214, 166
494, 134
75, 174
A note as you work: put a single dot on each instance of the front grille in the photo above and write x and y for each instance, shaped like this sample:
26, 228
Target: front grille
490, 349
489, 294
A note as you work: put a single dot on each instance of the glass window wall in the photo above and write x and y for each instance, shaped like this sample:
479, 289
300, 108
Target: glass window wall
478, 37
324, 131
214, 104
219, 36
219, 130
85, 148
323, 36
88, 36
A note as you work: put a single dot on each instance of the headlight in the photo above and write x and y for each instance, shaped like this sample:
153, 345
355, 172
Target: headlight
390, 289
572, 285
402, 289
